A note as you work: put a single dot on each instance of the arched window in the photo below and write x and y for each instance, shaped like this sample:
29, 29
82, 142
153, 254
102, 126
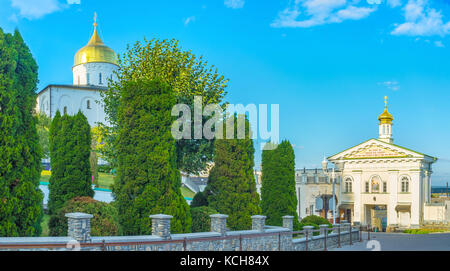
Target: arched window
87, 79
88, 104
100, 78
375, 183
65, 110
405, 184
348, 185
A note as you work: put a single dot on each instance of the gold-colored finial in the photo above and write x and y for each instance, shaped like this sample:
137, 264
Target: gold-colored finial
95, 19
385, 117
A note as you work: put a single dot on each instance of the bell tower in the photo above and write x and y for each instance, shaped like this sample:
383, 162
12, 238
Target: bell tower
385, 125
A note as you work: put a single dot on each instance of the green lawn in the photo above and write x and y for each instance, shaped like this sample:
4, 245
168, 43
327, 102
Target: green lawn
187, 193
44, 226
106, 180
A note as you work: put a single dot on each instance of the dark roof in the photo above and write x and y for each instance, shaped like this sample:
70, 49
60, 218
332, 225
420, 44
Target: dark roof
83, 87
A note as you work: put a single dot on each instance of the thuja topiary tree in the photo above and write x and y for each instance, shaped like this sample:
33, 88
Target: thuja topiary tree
278, 197
231, 186
70, 148
148, 181
20, 153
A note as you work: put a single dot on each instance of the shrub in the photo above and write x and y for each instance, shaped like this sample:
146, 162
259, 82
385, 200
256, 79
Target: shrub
201, 222
200, 199
104, 223
314, 219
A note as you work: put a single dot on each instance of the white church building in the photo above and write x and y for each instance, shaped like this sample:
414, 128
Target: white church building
376, 183
94, 65
383, 183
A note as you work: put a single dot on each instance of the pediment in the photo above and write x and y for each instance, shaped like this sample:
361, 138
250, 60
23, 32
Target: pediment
375, 149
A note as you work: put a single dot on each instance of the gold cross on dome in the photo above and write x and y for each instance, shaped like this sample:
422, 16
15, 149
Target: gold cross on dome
95, 18
385, 101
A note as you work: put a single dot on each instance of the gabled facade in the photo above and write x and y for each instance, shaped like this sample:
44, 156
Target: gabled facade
384, 185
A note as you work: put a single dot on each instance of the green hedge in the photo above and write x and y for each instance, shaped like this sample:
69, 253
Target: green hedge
201, 222
104, 223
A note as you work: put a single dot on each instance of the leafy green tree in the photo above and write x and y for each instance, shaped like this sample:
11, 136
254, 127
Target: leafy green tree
231, 186
278, 197
20, 197
188, 76
148, 181
70, 148
43, 130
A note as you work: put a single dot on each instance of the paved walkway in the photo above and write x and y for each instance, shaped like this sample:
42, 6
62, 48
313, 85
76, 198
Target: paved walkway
401, 242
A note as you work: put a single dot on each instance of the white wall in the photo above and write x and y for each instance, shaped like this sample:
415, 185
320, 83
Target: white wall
74, 99
81, 71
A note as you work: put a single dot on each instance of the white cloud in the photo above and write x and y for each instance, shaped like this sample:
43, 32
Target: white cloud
439, 43
234, 4
308, 13
189, 20
394, 3
34, 9
421, 20
393, 85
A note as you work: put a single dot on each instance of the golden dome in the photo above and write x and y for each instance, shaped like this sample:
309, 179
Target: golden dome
385, 117
95, 51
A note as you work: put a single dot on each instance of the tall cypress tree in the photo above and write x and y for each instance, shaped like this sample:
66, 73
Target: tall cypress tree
148, 181
278, 197
70, 146
231, 185
20, 197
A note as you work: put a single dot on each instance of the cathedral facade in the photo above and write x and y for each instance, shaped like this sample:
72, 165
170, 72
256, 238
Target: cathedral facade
94, 66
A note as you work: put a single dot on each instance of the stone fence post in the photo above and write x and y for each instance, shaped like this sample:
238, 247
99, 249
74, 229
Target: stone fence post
258, 222
79, 226
323, 229
219, 223
308, 231
288, 222
336, 227
346, 226
161, 225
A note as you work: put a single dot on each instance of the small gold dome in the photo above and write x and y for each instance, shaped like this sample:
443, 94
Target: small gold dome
95, 51
385, 117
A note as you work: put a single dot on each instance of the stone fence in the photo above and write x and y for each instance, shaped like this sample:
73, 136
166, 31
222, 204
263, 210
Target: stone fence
259, 238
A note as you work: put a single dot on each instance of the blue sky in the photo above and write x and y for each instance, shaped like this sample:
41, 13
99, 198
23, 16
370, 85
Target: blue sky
327, 63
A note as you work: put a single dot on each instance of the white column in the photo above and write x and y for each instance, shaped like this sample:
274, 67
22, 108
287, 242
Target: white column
358, 215
393, 198
415, 199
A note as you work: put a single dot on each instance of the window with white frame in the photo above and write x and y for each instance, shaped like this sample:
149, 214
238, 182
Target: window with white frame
348, 185
405, 184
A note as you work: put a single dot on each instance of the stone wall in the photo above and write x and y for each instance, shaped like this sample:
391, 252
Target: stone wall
259, 238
